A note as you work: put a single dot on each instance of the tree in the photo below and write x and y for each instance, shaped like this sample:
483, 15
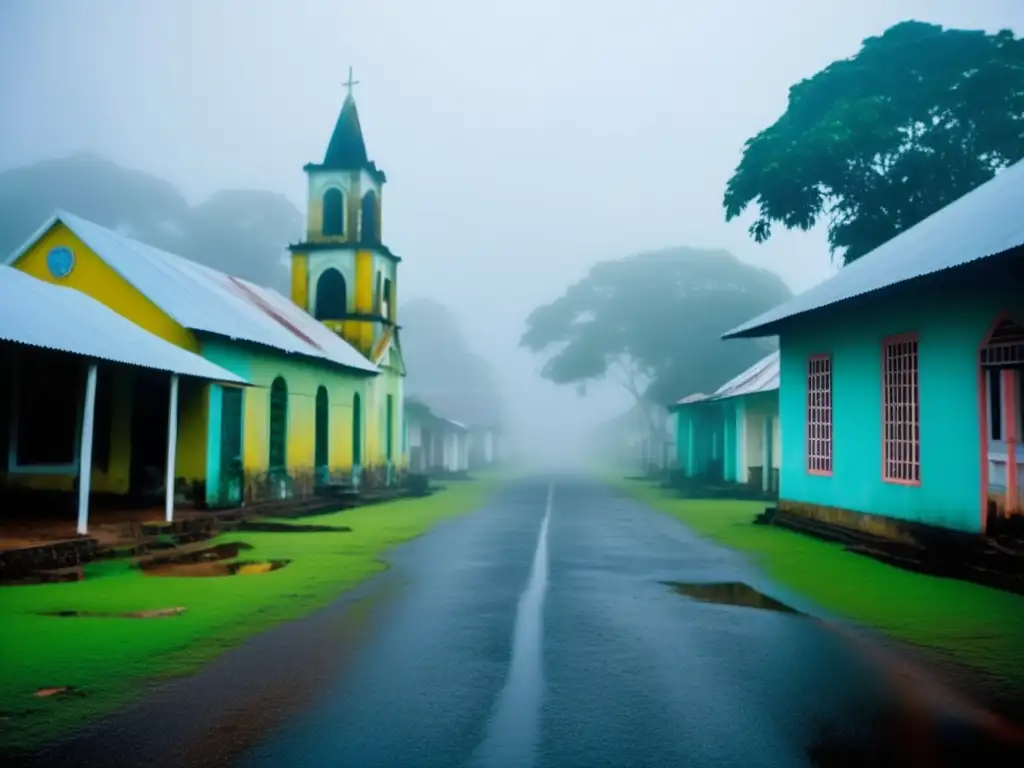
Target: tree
876, 143
243, 233
653, 322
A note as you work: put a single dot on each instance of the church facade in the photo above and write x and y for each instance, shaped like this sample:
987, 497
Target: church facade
319, 388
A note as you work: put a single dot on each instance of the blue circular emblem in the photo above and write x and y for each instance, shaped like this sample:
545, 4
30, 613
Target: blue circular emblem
60, 261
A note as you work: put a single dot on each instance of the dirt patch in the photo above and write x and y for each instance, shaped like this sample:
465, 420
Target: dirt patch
157, 613
730, 593
214, 569
262, 526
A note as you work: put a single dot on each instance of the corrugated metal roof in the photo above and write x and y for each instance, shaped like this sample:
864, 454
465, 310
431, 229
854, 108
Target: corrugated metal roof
40, 314
696, 397
985, 222
203, 299
762, 376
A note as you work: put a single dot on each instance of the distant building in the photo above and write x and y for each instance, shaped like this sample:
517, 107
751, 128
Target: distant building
732, 435
900, 397
436, 445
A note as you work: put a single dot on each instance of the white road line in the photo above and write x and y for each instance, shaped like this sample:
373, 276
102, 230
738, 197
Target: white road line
514, 727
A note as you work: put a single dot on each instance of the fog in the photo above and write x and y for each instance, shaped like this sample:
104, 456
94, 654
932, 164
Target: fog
523, 141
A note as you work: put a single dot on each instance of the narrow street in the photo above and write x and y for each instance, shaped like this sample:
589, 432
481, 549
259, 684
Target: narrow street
538, 631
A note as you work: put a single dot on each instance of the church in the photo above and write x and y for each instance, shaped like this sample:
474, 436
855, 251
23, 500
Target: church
309, 388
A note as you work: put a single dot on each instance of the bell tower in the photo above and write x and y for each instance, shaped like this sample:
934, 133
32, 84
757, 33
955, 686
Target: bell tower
342, 273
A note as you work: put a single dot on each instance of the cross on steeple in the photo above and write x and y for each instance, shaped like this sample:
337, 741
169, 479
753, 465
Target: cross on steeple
350, 82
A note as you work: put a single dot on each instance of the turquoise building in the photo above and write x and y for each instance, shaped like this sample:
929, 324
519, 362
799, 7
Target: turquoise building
900, 377
732, 435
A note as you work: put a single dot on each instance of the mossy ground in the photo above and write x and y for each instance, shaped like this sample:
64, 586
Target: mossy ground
972, 625
107, 661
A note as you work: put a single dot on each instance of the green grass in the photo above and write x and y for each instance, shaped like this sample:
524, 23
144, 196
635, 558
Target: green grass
110, 659
973, 625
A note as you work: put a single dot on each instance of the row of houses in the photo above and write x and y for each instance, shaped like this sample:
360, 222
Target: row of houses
895, 398
442, 446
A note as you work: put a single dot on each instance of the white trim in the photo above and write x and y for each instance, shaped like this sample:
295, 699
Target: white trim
85, 465
172, 444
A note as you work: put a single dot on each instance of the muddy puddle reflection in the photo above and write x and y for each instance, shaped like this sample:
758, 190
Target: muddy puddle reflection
214, 569
730, 593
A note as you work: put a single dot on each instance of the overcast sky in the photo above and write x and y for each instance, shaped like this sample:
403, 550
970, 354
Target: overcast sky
523, 140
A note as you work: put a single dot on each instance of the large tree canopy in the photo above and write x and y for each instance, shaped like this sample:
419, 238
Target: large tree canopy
654, 321
878, 142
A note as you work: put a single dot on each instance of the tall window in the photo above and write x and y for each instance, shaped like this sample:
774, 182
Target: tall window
321, 436
334, 212
331, 301
369, 232
819, 415
278, 425
357, 430
901, 426
390, 426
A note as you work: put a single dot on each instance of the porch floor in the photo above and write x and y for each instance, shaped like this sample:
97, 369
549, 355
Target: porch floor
109, 528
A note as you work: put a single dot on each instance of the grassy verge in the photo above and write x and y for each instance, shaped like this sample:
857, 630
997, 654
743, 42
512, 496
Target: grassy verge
973, 625
108, 660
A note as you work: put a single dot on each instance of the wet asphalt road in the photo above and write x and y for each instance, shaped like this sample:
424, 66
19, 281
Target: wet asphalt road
537, 632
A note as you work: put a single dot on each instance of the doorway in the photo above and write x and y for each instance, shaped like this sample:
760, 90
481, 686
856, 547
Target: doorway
148, 463
231, 479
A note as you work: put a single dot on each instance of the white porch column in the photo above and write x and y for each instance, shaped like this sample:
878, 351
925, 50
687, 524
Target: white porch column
172, 448
85, 449
766, 451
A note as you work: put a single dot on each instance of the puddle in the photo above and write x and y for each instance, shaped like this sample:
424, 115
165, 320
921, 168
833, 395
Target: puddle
157, 613
730, 593
61, 690
220, 552
268, 527
213, 569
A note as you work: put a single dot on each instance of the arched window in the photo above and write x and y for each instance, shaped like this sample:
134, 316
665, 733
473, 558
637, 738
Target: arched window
278, 426
357, 430
321, 439
369, 230
331, 302
334, 212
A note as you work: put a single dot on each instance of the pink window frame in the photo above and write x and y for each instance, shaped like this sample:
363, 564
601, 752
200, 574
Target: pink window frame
818, 415
907, 414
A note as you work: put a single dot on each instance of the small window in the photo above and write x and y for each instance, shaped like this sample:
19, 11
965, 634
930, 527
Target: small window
333, 212
819, 415
386, 299
995, 403
901, 425
370, 230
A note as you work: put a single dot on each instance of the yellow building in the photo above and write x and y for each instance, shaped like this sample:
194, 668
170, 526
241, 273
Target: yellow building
325, 368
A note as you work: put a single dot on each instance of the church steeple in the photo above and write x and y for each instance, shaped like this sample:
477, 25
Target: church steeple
347, 149
342, 273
